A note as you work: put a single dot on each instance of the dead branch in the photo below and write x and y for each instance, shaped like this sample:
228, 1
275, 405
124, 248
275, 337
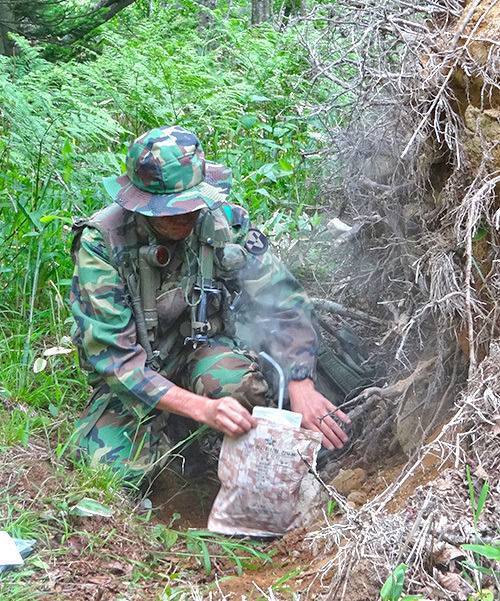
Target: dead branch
323, 304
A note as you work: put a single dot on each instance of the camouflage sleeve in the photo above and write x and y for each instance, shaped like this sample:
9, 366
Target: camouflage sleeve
105, 329
282, 314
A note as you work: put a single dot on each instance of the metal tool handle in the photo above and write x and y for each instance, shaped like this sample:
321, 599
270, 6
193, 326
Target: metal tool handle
278, 368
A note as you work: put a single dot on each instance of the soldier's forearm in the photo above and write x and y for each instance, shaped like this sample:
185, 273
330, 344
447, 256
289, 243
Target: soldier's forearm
224, 414
183, 402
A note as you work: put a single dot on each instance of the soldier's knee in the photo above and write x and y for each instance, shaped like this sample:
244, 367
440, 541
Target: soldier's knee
234, 375
253, 389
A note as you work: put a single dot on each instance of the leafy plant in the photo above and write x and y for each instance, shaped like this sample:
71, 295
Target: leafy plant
280, 585
206, 546
479, 550
488, 551
477, 505
331, 506
392, 590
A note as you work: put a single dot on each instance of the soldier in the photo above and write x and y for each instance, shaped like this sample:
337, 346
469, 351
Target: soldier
172, 296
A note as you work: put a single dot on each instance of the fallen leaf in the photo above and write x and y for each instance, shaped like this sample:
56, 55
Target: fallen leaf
57, 350
454, 583
39, 365
443, 553
481, 472
99, 580
88, 507
117, 568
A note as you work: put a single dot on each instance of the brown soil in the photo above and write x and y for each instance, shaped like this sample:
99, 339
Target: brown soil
191, 500
104, 558
289, 572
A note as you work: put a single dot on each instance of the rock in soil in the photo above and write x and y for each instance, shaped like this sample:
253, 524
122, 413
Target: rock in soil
348, 480
358, 497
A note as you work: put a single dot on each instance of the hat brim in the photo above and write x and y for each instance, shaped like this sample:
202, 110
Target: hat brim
130, 197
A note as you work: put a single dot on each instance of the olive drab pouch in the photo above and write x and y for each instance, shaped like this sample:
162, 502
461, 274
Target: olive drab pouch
261, 475
343, 367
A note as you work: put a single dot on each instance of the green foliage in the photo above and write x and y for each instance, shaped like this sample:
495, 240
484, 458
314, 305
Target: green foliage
331, 506
392, 589
477, 505
281, 584
65, 125
484, 595
393, 586
489, 551
207, 546
479, 550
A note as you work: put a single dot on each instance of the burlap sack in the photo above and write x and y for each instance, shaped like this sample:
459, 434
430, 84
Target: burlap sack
261, 474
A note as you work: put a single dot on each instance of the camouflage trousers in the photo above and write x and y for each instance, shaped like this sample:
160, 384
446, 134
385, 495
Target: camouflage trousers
137, 442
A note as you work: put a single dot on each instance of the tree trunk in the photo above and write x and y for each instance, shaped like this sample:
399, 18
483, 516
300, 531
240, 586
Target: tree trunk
7, 24
103, 12
261, 11
206, 18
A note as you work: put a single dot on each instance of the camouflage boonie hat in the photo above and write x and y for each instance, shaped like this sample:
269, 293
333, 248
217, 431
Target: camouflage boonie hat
167, 174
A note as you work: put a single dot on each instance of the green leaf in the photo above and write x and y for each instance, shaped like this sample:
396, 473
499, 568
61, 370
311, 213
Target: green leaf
89, 507
258, 98
280, 131
285, 165
166, 536
53, 410
330, 507
480, 234
269, 144
488, 551
263, 192
286, 577
474, 567
248, 121
470, 486
268, 171
266, 127
393, 586
485, 595
207, 564
482, 499
67, 148
49, 218
175, 516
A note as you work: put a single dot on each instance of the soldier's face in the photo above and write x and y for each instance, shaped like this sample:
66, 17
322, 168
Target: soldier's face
176, 227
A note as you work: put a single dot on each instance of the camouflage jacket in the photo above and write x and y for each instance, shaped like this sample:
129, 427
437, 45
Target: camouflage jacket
276, 313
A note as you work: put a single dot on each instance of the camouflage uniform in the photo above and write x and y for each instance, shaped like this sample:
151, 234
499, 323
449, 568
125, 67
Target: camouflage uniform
121, 424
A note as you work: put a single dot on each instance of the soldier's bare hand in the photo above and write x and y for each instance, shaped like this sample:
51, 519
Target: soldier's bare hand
225, 414
315, 408
228, 416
